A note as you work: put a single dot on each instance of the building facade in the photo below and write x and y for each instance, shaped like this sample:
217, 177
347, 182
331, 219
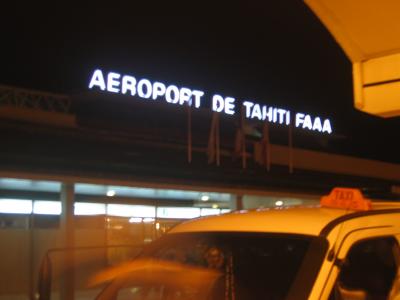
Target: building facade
109, 170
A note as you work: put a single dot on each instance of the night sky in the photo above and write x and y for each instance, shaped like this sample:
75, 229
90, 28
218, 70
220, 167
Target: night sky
273, 52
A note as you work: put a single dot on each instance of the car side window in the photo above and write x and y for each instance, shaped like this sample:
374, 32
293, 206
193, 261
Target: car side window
369, 270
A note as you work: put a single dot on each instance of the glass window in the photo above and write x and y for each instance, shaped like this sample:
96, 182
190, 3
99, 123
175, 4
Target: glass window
46, 221
212, 266
89, 222
369, 270
14, 221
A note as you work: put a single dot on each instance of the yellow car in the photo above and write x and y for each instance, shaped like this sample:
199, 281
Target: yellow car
345, 248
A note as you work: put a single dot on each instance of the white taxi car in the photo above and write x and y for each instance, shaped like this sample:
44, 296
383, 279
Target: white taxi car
345, 248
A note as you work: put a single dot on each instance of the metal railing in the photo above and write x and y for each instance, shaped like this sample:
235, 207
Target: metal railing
31, 99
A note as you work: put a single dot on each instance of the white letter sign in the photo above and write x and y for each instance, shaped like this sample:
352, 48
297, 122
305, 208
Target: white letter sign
143, 88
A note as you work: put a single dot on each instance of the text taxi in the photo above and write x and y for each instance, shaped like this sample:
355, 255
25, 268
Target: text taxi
345, 248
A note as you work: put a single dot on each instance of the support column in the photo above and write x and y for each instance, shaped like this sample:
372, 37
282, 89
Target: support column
236, 202
32, 273
67, 231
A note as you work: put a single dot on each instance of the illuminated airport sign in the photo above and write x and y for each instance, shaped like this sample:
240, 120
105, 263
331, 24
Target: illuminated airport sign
157, 91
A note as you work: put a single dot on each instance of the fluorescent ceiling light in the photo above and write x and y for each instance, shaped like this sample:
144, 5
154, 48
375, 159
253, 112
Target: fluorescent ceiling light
125, 210
178, 212
135, 220
209, 212
15, 206
110, 193
47, 207
148, 220
88, 209
205, 198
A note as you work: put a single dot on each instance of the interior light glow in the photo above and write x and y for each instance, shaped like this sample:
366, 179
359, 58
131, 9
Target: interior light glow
87, 209
209, 212
148, 220
158, 226
136, 192
279, 203
110, 193
15, 206
47, 207
125, 210
205, 198
215, 206
135, 220
178, 212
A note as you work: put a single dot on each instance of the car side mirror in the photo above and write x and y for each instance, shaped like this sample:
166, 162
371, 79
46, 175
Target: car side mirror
347, 294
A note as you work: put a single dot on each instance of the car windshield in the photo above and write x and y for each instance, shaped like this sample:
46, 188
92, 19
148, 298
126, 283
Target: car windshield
211, 266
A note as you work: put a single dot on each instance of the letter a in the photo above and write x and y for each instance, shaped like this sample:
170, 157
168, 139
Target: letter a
327, 126
317, 124
98, 80
307, 122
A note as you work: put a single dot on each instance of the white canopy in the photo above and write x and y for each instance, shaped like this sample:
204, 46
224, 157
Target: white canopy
369, 33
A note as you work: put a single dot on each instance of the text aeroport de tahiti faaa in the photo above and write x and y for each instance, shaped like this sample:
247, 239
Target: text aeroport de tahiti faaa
146, 89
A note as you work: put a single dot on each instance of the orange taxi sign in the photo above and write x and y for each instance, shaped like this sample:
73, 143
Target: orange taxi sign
346, 198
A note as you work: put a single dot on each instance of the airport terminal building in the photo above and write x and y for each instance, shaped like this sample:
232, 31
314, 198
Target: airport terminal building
121, 168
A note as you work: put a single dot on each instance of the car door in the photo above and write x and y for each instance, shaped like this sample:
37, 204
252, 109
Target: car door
366, 263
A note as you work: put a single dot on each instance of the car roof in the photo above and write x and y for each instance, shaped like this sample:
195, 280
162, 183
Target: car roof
305, 220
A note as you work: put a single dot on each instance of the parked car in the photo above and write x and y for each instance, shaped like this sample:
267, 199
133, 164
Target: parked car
347, 247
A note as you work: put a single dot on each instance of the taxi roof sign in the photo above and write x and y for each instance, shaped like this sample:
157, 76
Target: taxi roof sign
346, 198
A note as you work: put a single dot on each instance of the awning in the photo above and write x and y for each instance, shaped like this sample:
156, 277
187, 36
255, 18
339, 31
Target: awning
369, 33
